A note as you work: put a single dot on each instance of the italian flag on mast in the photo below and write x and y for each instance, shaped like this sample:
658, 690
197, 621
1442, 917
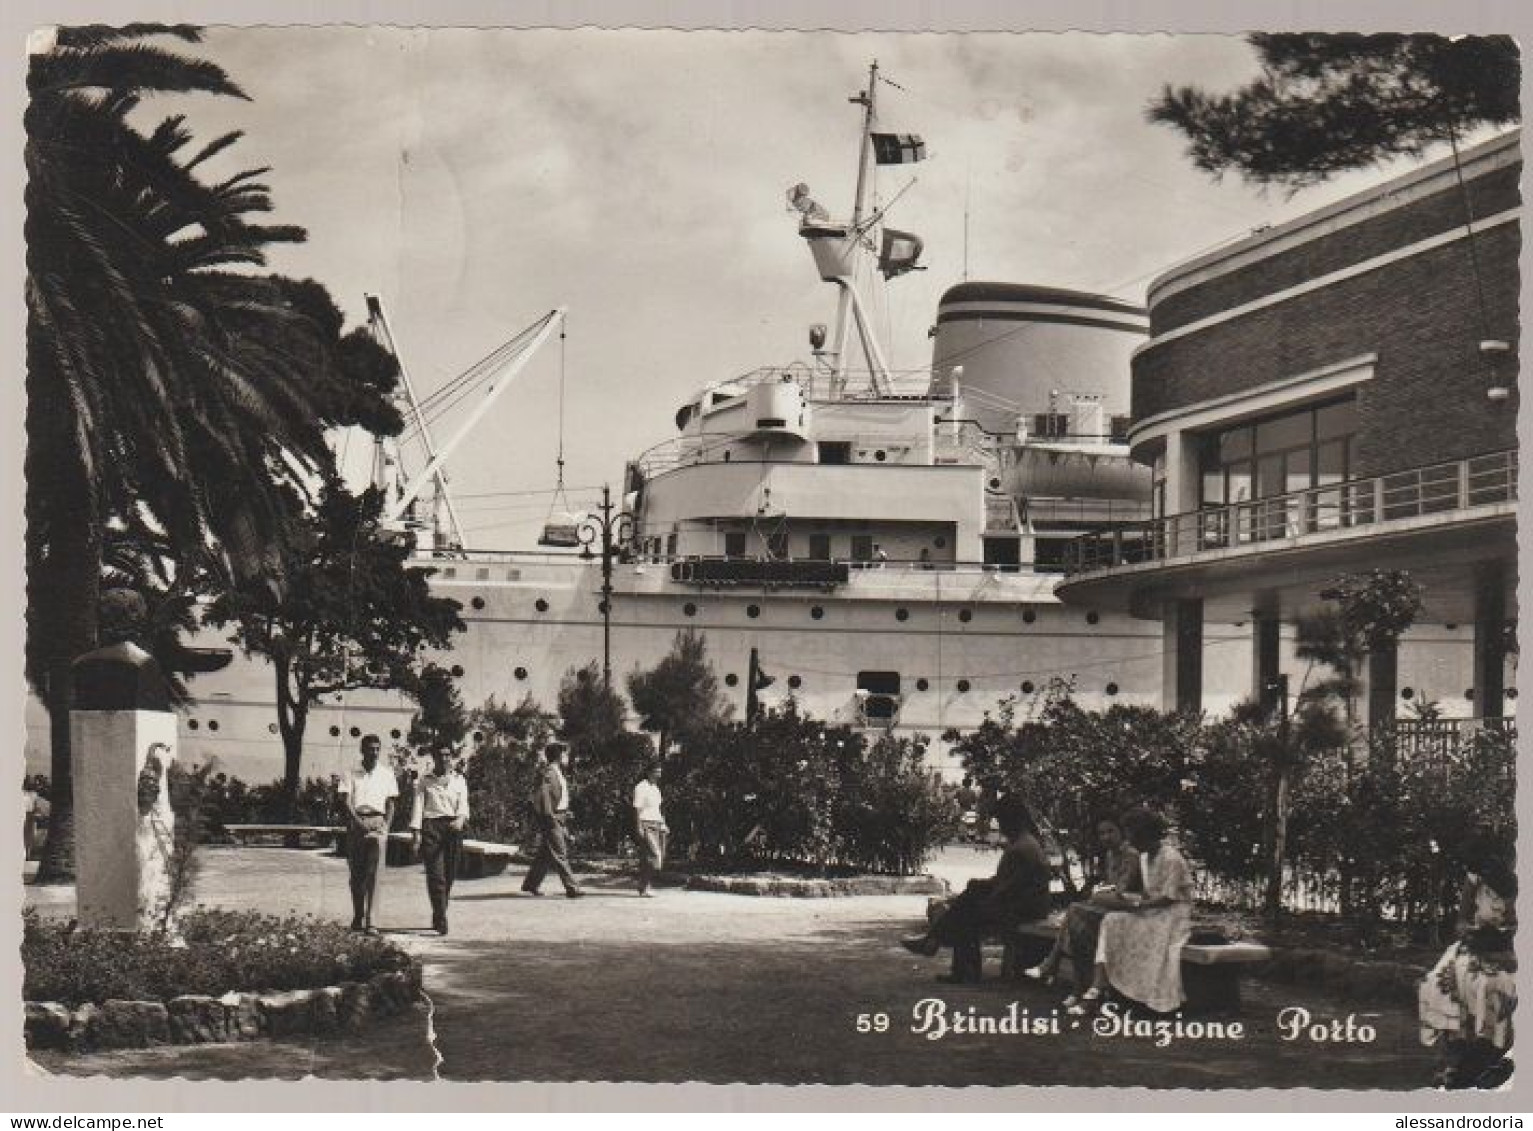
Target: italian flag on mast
898, 149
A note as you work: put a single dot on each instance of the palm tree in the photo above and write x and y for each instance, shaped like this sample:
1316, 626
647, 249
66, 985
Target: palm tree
165, 381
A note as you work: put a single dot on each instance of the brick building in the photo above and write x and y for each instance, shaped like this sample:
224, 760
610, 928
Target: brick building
1330, 395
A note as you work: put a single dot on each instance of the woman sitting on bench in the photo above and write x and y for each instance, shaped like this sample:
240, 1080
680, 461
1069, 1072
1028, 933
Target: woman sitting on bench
1139, 950
1077, 939
1467, 1001
1017, 893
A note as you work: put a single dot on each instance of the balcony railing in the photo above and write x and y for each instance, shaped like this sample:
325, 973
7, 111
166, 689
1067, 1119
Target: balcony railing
1435, 489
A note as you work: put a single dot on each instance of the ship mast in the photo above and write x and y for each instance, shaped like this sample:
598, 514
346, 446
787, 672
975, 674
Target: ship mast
867, 99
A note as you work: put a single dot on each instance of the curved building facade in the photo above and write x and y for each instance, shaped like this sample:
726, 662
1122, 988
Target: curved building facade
1335, 394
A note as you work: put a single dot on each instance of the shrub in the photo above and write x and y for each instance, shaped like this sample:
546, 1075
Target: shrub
504, 770
222, 951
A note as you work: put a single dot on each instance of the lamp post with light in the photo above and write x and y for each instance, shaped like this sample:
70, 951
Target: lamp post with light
610, 533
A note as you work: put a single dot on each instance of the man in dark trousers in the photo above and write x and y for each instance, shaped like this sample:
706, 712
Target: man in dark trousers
551, 806
436, 827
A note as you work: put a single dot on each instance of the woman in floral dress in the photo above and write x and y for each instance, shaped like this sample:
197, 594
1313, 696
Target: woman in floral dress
1077, 938
1139, 950
1466, 1002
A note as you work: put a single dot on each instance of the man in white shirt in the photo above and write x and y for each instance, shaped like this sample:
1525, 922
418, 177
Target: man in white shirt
368, 794
436, 828
650, 825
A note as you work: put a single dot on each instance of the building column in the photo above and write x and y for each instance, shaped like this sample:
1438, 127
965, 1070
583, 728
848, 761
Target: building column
1181, 490
1383, 685
1490, 641
1182, 655
1266, 664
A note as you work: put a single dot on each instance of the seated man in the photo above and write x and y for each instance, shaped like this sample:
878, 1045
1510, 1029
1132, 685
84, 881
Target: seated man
1017, 893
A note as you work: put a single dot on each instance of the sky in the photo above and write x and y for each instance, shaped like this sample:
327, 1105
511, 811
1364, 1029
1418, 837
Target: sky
476, 179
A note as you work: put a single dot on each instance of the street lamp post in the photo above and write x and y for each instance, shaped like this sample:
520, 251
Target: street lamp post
611, 533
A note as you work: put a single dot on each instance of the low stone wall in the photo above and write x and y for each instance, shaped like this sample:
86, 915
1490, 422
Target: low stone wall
803, 888
194, 1019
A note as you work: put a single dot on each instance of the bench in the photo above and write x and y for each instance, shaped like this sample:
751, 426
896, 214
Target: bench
1210, 971
476, 858
305, 835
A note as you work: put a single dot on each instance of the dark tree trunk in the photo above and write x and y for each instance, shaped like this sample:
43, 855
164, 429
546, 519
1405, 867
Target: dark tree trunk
74, 563
292, 720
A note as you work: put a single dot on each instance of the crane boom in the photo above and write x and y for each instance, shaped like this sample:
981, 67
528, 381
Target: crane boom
492, 394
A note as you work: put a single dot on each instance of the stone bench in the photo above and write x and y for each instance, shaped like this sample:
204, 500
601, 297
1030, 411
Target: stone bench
307, 835
1210, 971
476, 859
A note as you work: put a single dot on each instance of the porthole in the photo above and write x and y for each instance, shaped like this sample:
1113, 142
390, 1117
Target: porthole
192, 724
395, 735
540, 605
753, 611
457, 671
995, 484
1028, 616
335, 732
731, 680
901, 614
880, 455
212, 724
1450, 627
1407, 693
1027, 687
356, 732
963, 686
940, 542
1093, 618
520, 673
477, 602
817, 613
271, 728
795, 682
1112, 689
923, 683
966, 615
1469, 693
690, 609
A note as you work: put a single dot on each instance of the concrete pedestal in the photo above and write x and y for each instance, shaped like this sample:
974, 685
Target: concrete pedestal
122, 742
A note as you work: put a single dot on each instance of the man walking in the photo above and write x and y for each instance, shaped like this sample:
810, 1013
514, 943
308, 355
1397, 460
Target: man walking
650, 825
368, 794
551, 806
436, 827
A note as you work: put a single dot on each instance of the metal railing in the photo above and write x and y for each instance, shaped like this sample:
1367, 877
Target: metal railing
1434, 489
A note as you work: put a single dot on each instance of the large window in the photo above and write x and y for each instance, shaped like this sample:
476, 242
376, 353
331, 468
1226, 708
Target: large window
1275, 457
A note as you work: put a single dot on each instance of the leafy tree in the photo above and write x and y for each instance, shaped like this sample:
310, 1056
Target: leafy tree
505, 769
348, 613
441, 720
679, 696
1370, 612
1329, 102
606, 759
161, 385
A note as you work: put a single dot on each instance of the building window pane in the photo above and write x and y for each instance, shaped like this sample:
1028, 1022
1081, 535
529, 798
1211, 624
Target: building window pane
819, 547
1269, 477
734, 543
862, 547
1333, 420
1213, 488
1234, 444
1283, 433
1331, 462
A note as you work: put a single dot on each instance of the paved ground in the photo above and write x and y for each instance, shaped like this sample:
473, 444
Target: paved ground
721, 988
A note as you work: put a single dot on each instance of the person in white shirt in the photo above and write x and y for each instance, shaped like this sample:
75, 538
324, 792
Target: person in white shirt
368, 794
436, 828
650, 825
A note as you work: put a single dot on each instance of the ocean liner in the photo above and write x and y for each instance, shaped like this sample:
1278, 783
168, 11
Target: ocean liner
886, 554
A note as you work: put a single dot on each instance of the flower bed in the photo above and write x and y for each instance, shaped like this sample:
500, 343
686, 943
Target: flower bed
230, 976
